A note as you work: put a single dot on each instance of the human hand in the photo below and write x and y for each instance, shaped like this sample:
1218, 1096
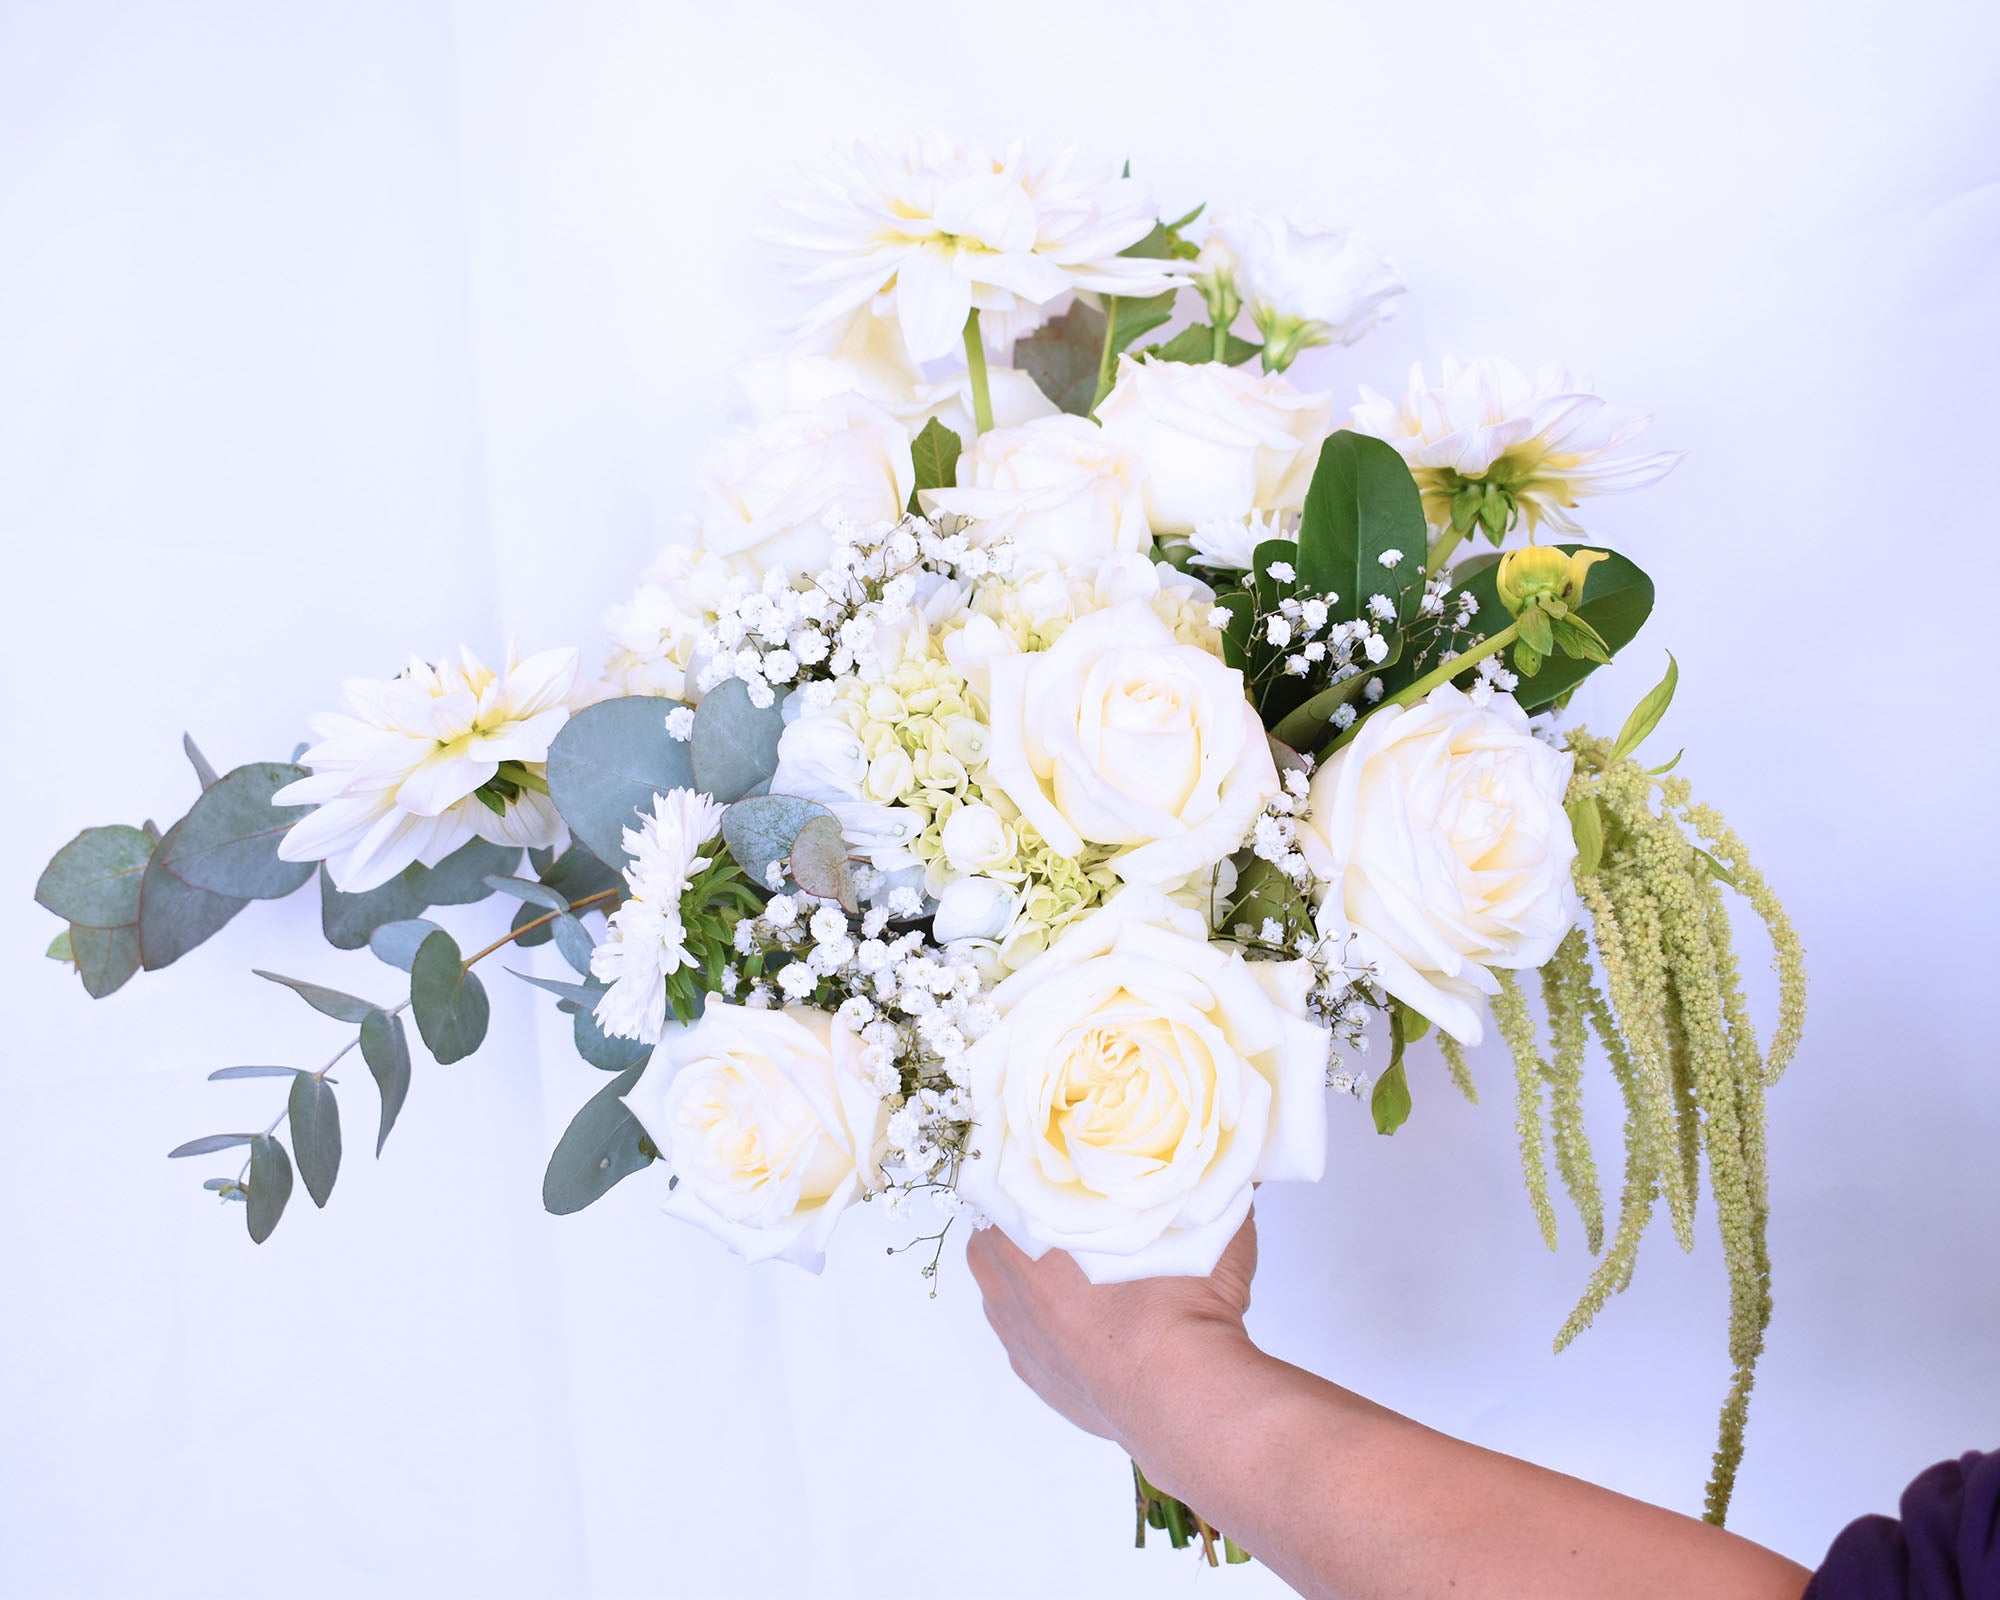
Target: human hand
1096, 1351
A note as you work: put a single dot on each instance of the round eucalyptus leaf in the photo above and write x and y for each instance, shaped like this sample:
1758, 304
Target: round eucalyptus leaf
228, 843
460, 879
270, 1185
735, 744
820, 865
602, 1050
606, 765
315, 1118
602, 1145
348, 920
174, 916
94, 879
104, 957
386, 1049
398, 942
760, 830
449, 1002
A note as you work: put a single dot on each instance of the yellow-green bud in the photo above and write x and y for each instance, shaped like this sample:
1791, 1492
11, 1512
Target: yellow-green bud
1539, 571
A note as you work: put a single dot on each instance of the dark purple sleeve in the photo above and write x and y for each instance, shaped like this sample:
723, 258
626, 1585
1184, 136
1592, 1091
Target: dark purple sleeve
1945, 1547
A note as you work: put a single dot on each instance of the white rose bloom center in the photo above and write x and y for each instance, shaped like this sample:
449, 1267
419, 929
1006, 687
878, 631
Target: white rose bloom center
1119, 735
1140, 1080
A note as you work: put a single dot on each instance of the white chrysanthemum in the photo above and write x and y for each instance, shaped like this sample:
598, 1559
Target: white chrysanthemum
395, 776
1230, 543
1547, 441
923, 232
646, 941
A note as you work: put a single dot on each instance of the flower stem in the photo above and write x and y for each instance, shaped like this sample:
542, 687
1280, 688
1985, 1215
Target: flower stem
1104, 355
1447, 542
1220, 335
1445, 671
975, 366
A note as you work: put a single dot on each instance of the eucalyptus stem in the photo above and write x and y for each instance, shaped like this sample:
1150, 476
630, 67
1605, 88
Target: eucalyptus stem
975, 366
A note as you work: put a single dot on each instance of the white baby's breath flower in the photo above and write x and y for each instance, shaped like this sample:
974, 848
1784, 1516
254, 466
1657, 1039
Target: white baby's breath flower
646, 941
1546, 441
922, 233
395, 775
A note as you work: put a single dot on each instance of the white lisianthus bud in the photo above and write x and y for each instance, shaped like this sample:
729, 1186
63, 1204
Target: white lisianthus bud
1305, 284
973, 908
1440, 835
769, 491
1058, 485
1216, 443
976, 838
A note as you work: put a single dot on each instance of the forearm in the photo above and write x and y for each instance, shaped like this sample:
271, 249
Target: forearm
1343, 1498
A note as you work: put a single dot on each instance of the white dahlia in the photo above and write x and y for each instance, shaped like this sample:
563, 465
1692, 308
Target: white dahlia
645, 943
1546, 442
923, 232
398, 775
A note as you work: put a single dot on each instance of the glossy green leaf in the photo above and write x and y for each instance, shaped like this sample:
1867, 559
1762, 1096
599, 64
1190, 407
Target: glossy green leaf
343, 1007
1362, 504
460, 879
820, 864
227, 844
349, 920
270, 1185
1195, 344
174, 917
735, 744
1647, 713
606, 765
1586, 822
94, 879
315, 1119
397, 942
1133, 319
1390, 1102
105, 958
760, 830
449, 1002
386, 1050
935, 452
601, 1146
208, 1144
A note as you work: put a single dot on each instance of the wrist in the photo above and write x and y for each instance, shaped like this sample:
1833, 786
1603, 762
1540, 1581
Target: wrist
1182, 1372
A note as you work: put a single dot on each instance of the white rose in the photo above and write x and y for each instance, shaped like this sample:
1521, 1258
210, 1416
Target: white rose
769, 1124
973, 908
1119, 735
1057, 485
1139, 1081
769, 490
977, 837
1304, 284
1441, 835
1215, 442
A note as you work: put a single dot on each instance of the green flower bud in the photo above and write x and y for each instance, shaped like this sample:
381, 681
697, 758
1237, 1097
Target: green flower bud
1540, 572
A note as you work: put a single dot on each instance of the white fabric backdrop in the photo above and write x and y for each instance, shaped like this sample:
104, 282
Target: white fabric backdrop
332, 331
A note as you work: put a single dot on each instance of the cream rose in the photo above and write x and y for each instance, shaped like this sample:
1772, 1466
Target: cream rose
1441, 836
769, 1125
1120, 735
769, 490
1057, 485
1139, 1081
1215, 442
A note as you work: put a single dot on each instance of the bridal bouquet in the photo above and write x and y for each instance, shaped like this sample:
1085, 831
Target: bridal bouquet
1033, 787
